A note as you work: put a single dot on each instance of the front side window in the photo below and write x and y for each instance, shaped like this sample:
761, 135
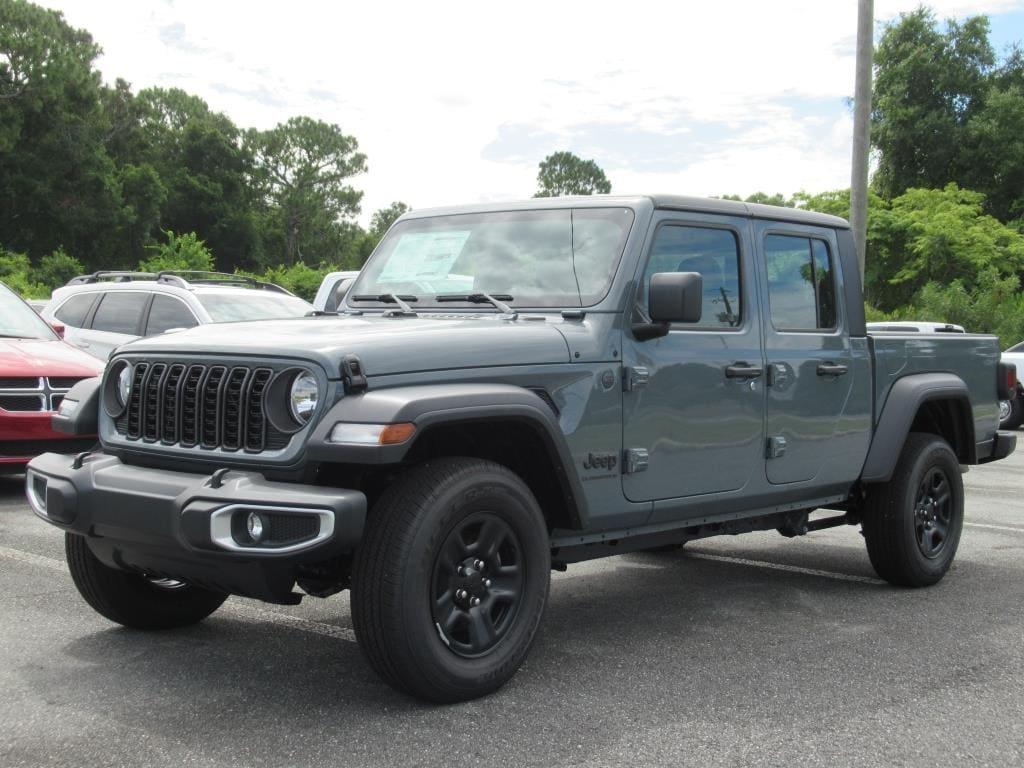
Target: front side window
715, 254
120, 312
801, 283
166, 313
540, 258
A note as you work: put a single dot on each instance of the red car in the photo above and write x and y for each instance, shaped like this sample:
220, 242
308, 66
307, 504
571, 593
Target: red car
37, 368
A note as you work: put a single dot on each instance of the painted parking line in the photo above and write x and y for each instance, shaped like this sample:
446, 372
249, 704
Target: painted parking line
995, 527
242, 609
783, 567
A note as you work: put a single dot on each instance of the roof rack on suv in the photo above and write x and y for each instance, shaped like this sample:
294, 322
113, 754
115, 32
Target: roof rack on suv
113, 275
185, 277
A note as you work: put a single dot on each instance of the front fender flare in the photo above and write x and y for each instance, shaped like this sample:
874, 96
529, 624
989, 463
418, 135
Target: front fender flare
429, 405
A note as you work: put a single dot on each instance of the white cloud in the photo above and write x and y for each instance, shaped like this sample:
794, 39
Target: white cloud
427, 87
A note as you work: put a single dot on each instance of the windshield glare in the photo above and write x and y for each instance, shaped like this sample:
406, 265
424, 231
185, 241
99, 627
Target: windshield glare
18, 320
548, 258
250, 305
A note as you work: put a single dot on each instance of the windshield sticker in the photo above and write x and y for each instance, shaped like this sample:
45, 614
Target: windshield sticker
424, 256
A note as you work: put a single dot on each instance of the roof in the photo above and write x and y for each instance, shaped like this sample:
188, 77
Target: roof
665, 202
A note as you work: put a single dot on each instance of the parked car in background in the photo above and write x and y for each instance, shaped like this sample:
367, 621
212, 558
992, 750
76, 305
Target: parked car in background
102, 311
333, 289
36, 370
1011, 412
914, 326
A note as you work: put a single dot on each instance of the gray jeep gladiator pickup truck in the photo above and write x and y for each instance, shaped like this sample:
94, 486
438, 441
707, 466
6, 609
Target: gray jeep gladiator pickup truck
507, 389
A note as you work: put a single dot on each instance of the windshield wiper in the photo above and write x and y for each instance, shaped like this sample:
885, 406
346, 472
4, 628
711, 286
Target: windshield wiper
391, 298
495, 301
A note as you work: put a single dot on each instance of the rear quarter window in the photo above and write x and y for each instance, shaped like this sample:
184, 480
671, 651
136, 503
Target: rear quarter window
73, 311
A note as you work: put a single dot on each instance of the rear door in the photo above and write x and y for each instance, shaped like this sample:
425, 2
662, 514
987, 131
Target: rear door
810, 367
73, 314
117, 319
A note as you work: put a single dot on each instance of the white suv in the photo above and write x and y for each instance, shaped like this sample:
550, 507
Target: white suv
102, 311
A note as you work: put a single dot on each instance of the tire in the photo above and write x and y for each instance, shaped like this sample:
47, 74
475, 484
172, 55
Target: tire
911, 541
133, 600
417, 628
1013, 416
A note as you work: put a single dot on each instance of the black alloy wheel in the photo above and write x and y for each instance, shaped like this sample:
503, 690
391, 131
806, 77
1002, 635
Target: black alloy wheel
933, 511
477, 586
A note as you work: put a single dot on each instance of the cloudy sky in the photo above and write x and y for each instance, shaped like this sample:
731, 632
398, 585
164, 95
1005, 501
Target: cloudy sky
458, 102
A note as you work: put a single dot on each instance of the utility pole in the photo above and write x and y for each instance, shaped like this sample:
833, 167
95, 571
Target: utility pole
862, 129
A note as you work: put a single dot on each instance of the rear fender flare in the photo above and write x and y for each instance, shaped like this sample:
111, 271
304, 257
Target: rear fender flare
905, 398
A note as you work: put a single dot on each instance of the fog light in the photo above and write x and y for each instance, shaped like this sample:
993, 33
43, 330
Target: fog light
254, 524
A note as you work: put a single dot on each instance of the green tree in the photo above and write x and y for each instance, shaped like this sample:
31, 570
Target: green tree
385, 217
301, 173
936, 235
57, 184
563, 173
56, 268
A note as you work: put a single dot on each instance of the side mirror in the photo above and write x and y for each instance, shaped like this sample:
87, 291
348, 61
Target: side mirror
673, 297
58, 328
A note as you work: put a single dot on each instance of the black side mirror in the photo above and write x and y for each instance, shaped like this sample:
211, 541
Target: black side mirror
673, 297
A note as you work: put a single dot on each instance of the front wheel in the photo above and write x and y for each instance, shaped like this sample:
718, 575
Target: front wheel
912, 523
135, 600
451, 579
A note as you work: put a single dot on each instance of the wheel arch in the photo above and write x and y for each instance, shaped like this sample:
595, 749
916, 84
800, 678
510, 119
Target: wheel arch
935, 403
510, 425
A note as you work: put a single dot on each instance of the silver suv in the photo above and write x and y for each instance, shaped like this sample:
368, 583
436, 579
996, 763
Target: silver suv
102, 311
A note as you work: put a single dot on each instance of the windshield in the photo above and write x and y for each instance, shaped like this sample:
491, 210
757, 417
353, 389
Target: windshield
550, 258
251, 305
20, 321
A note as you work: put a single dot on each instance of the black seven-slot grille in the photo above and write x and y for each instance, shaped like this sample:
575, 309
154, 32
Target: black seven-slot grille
206, 406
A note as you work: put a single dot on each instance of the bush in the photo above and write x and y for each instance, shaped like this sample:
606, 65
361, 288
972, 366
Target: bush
182, 252
17, 273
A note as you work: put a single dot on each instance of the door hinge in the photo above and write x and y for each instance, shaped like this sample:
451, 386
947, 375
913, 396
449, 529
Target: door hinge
635, 460
776, 447
636, 377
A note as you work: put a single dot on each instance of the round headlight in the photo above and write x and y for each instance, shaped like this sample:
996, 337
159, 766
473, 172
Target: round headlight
124, 385
303, 397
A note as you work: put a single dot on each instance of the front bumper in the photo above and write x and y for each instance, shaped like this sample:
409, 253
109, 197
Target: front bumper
193, 527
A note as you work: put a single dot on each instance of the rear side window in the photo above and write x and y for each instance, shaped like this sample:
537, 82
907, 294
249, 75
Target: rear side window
120, 312
167, 312
801, 283
715, 254
73, 311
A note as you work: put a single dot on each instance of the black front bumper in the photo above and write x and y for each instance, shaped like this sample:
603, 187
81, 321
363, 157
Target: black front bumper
187, 526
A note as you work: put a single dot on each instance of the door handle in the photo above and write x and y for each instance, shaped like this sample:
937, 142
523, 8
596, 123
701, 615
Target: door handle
832, 369
82, 344
743, 371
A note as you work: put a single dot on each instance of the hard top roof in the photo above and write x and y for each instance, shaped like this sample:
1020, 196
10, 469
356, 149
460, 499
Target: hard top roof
667, 202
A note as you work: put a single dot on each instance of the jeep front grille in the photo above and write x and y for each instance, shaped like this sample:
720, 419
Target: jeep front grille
205, 406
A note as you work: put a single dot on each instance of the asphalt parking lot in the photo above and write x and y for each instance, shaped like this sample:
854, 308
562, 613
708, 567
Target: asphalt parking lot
754, 650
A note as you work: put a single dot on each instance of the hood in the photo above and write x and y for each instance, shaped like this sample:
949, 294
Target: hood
45, 357
385, 345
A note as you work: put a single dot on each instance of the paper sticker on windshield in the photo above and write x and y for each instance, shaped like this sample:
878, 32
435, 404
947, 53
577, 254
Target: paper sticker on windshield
424, 256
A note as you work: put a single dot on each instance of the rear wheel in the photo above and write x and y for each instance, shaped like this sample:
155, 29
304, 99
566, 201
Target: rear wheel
912, 523
135, 600
451, 579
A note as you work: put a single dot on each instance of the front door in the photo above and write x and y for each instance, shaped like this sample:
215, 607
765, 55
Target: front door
810, 369
694, 399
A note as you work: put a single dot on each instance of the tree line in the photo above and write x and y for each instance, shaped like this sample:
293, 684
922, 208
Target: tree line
96, 176
100, 176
